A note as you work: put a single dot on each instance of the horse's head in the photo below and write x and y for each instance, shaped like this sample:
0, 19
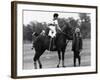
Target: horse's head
68, 30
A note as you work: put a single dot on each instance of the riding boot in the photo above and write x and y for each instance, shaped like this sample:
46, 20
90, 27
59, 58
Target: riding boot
54, 46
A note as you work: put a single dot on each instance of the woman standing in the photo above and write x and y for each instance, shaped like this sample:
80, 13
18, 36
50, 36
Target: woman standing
77, 46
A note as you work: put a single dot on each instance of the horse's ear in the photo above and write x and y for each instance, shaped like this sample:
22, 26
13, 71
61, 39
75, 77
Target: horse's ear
35, 34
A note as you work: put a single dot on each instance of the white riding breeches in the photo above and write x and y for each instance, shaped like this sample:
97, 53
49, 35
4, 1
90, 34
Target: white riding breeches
52, 31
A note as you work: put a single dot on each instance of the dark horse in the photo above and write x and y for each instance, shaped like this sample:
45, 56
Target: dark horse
42, 43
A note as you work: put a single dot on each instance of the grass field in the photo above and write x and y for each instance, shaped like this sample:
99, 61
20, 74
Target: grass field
50, 59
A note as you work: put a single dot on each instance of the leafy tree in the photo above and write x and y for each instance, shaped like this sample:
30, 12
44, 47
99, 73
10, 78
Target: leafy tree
27, 32
73, 22
85, 25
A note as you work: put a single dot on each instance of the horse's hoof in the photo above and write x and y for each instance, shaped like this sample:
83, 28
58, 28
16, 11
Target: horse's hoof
74, 65
57, 66
32, 48
64, 66
35, 68
40, 66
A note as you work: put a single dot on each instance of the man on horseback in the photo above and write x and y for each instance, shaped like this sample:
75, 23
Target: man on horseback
44, 41
54, 26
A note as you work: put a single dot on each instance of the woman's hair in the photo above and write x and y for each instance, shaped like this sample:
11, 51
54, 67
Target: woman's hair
55, 15
77, 30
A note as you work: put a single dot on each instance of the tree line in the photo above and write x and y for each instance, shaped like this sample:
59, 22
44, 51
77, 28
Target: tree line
83, 23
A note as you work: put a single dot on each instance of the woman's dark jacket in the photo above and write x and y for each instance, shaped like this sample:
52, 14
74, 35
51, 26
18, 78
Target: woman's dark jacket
77, 42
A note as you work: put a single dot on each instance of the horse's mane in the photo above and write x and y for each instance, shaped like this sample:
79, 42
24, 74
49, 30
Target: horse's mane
66, 27
68, 30
35, 34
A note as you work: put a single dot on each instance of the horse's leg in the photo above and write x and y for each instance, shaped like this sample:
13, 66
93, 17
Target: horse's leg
59, 56
63, 54
36, 57
42, 51
35, 64
40, 65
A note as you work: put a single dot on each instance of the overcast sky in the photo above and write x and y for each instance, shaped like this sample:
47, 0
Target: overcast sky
41, 16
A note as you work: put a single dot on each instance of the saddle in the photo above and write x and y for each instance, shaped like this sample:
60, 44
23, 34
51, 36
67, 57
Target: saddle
52, 44
52, 40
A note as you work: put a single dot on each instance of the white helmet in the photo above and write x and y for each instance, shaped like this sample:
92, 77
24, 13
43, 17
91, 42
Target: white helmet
77, 30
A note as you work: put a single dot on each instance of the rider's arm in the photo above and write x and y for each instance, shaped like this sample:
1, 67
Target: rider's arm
57, 25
